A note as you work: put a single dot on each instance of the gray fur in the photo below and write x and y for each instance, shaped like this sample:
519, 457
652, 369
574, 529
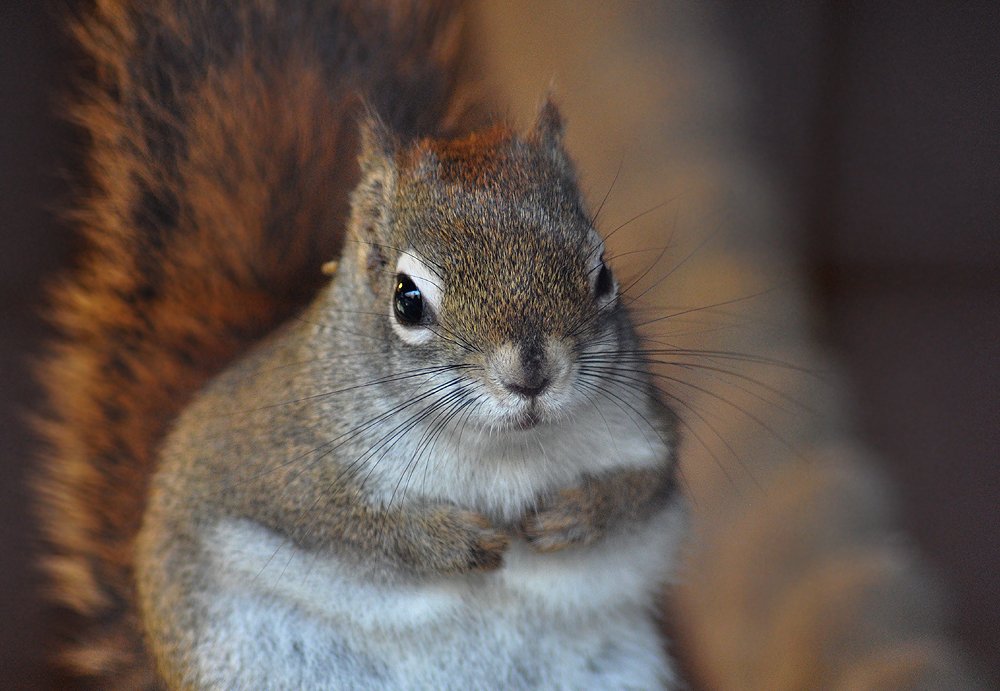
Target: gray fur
349, 505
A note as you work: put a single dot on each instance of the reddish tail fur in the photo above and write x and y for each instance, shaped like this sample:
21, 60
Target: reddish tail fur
221, 152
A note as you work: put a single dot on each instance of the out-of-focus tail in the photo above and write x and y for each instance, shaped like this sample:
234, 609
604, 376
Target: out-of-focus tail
797, 577
811, 588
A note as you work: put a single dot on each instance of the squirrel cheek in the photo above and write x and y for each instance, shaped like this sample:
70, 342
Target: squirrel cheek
411, 335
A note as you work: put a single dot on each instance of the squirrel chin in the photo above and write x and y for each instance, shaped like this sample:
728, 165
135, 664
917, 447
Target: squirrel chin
528, 420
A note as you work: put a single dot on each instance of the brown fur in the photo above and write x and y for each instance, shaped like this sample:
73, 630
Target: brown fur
489, 158
581, 515
418, 537
218, 178
473, 161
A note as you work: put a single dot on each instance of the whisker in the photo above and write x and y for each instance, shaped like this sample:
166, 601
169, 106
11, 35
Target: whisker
608, 193
707, 448
411, 374
641, 215
350, 434
724, 400
692, 310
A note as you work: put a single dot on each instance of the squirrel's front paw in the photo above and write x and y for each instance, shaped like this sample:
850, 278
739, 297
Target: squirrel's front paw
465, 541
566, 520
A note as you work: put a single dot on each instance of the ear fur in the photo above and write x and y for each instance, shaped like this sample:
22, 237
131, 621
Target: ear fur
370, 209
547, 132
548, 127
378, 145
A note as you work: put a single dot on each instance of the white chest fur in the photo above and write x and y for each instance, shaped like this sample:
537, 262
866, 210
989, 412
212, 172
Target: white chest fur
580, 619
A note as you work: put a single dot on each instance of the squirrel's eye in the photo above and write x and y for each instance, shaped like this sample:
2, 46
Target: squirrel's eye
407, 302
605, 283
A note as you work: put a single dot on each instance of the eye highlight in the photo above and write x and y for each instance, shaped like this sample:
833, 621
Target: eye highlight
407, 302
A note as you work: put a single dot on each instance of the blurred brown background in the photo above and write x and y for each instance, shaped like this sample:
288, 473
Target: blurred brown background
881, 120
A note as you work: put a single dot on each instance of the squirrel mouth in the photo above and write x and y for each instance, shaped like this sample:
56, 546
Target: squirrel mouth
527, 421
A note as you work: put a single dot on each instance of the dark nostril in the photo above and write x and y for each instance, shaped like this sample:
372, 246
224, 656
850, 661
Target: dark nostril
531, 390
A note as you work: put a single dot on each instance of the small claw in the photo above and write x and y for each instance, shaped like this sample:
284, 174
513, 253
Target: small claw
554, 531
487, 553
562, 523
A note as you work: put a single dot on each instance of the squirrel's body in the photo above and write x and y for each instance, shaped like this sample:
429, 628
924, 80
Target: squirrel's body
372, 499
575, 619
345, 497
285, 533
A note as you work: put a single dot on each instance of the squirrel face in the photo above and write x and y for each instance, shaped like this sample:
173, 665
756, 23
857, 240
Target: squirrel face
481, 256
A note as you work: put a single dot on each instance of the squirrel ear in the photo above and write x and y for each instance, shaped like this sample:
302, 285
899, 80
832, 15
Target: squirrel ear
369, 200
378, 144
548, 128
547, 133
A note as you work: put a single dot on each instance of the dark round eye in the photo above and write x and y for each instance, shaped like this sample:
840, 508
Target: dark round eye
407, 302
605, 283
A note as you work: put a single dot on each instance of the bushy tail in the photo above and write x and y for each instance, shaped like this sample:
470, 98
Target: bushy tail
811, 588
220, 157
797, 578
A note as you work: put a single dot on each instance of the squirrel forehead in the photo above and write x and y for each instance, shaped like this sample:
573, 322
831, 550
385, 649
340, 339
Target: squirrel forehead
497, 228
513, 247
490, 185
496, 159
495, 292
481, 159
506, 264
501, 220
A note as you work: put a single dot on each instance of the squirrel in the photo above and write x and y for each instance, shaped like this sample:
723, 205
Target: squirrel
222, 148
446, 467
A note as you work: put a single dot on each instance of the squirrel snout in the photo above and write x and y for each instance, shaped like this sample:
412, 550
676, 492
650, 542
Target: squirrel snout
530, 386
527, 370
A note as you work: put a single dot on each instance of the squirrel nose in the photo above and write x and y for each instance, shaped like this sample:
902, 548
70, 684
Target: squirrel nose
533, 375
529, 390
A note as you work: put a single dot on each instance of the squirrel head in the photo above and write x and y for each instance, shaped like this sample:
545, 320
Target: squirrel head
481, 255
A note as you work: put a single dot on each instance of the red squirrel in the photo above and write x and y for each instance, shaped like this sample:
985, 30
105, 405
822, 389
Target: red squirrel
449, 468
